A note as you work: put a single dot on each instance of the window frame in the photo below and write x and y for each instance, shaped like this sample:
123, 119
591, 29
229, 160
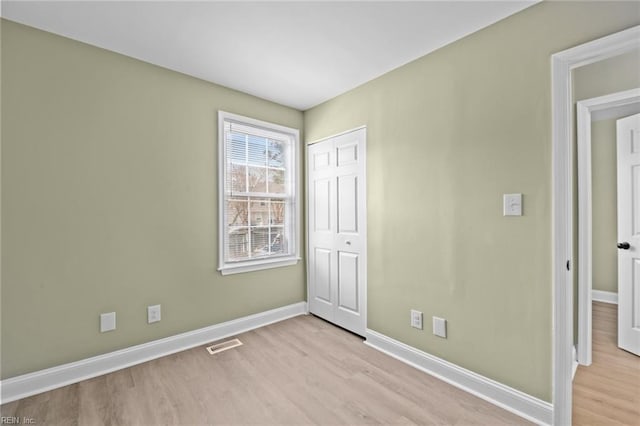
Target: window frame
249, 265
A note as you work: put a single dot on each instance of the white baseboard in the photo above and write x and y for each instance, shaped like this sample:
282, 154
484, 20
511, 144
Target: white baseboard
574, 366
604, 296
29, 384
503, 396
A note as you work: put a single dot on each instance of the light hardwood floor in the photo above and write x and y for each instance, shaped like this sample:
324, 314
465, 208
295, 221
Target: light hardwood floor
608, 391
299, 371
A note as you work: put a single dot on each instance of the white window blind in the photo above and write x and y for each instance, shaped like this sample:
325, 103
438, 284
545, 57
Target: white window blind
258, 194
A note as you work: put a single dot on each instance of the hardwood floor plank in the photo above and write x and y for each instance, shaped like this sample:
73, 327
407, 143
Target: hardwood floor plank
608, 391
63, 406
94, 406
302, 371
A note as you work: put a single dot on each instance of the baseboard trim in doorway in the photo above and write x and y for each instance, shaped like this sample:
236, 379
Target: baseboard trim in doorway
604, 296
513, 400
37, 382
574, 365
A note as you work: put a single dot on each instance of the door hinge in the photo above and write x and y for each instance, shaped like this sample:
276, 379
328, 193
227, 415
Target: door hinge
568, 265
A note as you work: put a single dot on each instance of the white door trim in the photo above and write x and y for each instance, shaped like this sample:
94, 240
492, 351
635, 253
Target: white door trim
562, 221
364, 227
336, 135
585, 227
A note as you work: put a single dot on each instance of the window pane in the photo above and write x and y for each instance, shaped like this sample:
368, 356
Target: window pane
259, 241
238, 244
237, 212
277, 242
237, 148
276, 153
277, 184
238, 178
257, 179
278, 209
257, 150
259, 212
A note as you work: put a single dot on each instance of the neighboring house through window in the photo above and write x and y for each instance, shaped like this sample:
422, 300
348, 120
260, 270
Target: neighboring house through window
259, 210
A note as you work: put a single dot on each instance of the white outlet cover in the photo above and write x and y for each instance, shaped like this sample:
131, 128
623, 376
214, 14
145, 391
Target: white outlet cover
440, 327
107, 322
153, 314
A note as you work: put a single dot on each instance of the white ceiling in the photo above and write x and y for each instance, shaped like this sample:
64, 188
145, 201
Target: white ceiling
295, 53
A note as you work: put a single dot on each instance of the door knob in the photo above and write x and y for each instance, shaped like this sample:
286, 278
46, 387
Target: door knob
624, 246
348, 243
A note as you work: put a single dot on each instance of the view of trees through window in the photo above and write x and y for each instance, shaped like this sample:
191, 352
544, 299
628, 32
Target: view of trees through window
256, 207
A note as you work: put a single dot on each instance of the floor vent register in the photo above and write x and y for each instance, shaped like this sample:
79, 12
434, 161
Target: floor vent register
221, 347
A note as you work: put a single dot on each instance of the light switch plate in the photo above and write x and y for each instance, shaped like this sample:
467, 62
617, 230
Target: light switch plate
107, 322
512, 204
416, 319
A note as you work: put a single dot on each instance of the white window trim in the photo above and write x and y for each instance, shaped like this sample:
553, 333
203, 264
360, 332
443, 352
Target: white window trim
267, 263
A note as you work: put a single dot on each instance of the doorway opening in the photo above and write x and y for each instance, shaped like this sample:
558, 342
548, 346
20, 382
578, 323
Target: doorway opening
613, 106
562, 63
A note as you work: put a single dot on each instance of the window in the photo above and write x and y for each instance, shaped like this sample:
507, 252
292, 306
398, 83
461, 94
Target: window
259, 211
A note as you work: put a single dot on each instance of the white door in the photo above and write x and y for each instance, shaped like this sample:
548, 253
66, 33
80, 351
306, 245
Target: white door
337, 267
628, 137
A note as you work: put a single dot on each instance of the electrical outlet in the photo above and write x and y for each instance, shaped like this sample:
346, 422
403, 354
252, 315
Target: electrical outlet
107, 322
440, 327
416, 319
153, 314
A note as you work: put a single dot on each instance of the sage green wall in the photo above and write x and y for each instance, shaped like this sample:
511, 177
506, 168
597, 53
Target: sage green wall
109, 202
612, 75
604, 209
447, 135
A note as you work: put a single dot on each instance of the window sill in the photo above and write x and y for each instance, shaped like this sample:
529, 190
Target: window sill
257, 265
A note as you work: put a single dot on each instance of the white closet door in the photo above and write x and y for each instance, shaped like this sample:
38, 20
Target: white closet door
336, 190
